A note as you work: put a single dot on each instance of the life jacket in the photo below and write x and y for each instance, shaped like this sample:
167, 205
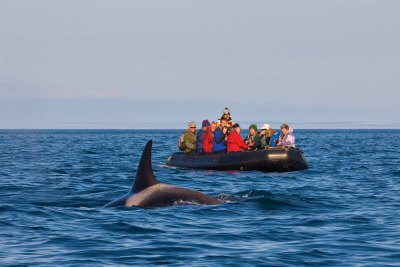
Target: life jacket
250, 138
229, 123
282, 137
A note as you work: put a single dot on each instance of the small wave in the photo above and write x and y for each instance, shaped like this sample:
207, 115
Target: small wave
396, 173
7, 207
123, 226
269, 202
312, 222
248, 195
264, 198
59, 171
254, 193
165, 166
89, 152
227, 198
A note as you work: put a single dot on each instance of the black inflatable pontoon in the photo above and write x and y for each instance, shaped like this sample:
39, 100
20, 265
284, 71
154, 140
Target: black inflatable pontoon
273, 159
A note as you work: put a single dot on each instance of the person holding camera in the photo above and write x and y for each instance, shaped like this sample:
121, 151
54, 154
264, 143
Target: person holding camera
220, 136
252, 139
227, 116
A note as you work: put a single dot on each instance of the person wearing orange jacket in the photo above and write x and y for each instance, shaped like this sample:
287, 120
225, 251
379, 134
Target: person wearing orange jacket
235, 142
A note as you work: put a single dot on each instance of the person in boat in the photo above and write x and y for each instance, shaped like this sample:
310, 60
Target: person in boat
200, 136
235, 142
251, 139
274, 136
266, 138
286, 138
263, 140
208, 140
189, 138
220, 136
227, 115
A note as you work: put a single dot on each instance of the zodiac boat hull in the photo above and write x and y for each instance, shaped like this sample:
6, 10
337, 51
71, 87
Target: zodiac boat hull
274, 159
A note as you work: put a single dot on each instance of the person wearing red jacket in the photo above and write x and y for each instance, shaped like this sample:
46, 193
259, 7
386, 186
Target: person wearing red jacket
208, 140
235, 142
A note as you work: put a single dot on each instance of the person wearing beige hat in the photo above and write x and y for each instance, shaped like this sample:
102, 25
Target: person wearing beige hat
189, 138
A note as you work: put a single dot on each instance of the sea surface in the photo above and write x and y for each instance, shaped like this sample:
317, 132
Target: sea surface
342, 211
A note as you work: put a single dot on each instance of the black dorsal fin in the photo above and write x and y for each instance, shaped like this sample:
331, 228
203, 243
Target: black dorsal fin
144, 174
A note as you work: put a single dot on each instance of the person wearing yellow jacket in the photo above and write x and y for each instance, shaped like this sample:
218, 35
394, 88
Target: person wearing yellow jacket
227, 116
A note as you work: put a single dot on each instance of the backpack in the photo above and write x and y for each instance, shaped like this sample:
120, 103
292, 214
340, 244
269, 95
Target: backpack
181, 142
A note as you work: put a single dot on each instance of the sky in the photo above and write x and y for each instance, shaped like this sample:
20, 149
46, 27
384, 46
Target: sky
97, 64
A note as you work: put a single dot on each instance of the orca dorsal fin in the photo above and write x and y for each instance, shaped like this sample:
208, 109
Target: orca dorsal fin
144, 174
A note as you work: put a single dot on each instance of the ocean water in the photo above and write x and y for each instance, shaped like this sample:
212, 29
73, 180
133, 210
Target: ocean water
342, 211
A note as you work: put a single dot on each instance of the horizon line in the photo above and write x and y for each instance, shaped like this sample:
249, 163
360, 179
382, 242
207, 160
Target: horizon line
173, 129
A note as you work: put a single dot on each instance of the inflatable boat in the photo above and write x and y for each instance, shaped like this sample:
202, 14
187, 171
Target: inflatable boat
273, 159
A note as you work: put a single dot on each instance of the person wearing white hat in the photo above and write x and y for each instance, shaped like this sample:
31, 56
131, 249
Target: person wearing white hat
265, 126
263, 142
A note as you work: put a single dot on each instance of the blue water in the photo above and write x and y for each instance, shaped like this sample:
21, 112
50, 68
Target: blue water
343, 211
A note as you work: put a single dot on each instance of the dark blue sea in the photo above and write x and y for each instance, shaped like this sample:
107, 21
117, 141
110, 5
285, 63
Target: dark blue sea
342, 211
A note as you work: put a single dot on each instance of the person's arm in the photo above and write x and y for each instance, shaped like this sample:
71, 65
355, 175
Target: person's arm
241, 143
219, 136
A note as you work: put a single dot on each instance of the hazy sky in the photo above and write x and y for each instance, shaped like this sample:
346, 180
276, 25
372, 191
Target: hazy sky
150, 64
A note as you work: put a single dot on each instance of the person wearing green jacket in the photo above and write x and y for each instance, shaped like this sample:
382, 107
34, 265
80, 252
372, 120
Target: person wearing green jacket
189, 137
253, 137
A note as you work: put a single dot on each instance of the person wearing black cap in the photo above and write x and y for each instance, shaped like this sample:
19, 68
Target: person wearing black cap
235, 142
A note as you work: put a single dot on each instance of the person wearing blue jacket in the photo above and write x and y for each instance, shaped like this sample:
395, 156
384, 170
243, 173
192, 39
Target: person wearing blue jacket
220, 135
274, 136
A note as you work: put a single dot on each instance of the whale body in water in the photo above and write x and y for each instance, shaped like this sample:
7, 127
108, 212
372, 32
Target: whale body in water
146, 191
